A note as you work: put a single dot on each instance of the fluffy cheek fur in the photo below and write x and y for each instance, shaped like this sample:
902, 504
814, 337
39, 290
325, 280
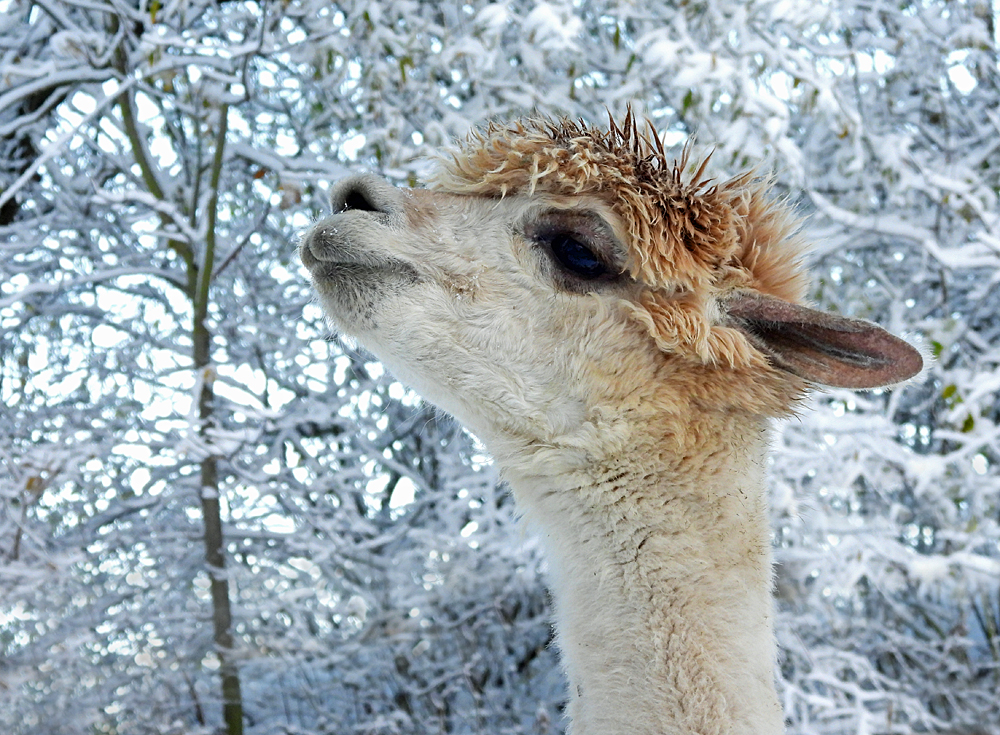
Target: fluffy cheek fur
475, 355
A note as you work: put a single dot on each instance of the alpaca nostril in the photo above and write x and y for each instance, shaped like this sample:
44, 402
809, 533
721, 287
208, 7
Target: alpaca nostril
356, 199
366, 193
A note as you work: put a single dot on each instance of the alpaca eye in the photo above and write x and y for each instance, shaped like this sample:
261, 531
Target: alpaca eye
579, 244
575, 257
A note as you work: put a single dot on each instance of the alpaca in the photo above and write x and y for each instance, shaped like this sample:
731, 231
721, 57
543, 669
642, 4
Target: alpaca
619, 331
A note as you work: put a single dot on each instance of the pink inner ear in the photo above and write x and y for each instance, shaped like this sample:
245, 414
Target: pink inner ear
827, 349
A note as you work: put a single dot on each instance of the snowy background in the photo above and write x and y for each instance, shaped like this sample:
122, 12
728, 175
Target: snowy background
169, 390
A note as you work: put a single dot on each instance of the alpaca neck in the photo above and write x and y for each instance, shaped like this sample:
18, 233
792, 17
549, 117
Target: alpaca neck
661, 578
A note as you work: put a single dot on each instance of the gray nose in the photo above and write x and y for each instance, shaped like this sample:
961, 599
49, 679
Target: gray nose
366, 193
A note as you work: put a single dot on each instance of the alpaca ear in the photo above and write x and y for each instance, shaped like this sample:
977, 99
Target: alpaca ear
830, 350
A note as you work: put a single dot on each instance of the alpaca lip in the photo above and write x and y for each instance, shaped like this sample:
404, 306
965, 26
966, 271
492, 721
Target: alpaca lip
333, 242
329, 251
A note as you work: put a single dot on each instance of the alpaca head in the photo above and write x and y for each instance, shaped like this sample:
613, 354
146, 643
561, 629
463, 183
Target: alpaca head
559, 277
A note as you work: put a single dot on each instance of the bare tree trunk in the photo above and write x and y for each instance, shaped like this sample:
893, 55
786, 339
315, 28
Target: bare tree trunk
215, 558
197, 289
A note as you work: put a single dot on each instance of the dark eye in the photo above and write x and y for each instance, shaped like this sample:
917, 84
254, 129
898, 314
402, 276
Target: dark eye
574, 256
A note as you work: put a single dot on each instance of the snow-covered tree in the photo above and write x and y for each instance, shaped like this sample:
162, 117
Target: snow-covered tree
213, 516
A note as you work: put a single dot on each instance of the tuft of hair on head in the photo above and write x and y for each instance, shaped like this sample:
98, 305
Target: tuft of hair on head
684, 230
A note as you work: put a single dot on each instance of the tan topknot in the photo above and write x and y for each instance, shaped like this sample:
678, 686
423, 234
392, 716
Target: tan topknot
689, 240
685, 232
